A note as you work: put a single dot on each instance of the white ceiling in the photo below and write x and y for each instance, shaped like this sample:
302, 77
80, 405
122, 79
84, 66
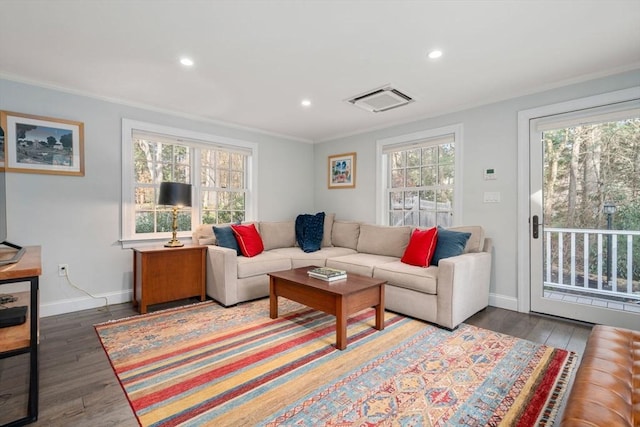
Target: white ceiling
256, 60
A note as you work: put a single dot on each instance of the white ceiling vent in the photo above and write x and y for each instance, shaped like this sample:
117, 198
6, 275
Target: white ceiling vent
381, 99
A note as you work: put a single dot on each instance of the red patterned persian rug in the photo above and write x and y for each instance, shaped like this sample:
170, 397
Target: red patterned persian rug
207, 365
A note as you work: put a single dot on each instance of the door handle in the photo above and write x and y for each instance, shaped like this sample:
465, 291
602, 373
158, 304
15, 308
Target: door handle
534, 226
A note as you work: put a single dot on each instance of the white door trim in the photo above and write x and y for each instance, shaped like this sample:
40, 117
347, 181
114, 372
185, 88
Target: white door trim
524, 117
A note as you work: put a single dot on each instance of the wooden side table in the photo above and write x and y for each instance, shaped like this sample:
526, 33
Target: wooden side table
23, 338
163, 274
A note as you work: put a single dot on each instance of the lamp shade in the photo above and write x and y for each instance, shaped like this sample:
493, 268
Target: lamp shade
175, 194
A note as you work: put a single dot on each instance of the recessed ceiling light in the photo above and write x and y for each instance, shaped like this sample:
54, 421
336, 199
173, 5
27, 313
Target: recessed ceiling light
434, 54
186, 62
305, 103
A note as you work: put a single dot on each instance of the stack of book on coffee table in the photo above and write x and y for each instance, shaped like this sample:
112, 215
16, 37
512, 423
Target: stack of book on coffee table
327, 274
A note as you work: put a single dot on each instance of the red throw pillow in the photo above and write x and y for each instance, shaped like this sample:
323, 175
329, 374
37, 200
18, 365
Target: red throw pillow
249, 239
421, 247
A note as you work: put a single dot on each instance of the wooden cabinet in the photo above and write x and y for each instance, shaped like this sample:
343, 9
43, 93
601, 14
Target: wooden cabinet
167, 274
20, 339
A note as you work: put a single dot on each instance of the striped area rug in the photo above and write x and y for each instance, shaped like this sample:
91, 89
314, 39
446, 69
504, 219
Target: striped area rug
207, 365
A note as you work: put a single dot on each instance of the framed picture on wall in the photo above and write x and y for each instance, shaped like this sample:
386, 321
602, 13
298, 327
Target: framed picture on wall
342, 171
35, 144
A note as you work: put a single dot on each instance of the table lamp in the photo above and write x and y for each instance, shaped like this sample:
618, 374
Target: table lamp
177, 195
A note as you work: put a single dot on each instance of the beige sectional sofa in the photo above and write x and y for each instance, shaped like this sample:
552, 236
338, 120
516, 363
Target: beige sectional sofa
446, 294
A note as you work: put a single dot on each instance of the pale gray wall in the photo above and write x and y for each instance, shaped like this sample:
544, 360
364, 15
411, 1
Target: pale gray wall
490, 140
76, 220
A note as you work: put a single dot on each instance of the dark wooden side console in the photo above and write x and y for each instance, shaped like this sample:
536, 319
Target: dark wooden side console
20, 339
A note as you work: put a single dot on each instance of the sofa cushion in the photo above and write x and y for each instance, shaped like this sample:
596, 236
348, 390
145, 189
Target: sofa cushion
421, 247
249, 239
264, 263
360, 263
383, 240
345, 234
476, 241
277, 234
406, 276
226, 238
328, 227
450, 243
317, 258
309, 230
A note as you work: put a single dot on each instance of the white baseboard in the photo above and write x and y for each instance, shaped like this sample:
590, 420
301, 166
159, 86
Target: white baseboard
84, 303
502, 301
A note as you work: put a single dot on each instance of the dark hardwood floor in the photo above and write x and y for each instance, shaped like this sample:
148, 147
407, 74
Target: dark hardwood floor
79, 388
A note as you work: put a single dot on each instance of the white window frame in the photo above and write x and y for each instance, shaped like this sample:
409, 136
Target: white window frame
382, 172
128, 235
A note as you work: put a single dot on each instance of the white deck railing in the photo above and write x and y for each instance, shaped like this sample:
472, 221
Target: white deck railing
571, 255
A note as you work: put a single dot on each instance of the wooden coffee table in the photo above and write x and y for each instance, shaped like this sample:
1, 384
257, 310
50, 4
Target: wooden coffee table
341, 298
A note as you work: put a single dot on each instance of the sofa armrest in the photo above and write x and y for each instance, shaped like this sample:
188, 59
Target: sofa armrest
222, 275
488, 245
463, 287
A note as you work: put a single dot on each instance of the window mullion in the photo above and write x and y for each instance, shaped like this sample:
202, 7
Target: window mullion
196, 200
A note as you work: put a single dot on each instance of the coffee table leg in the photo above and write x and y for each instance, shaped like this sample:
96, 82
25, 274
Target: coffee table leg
341, 323
380, 311
273, 299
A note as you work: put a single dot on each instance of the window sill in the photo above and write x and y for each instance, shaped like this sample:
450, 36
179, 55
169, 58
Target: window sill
150, 241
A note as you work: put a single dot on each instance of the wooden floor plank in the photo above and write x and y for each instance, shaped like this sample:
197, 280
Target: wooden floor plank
578, 340
78, 386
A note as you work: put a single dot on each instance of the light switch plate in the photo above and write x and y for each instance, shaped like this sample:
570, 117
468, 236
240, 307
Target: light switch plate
492, 197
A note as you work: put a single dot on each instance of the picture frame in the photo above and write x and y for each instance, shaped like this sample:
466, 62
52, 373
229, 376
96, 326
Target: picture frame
342, 171
37, 144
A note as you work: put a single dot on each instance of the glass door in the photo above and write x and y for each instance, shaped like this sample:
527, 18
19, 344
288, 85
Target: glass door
585, 215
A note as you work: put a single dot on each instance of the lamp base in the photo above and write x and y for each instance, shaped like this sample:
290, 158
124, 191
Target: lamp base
173, 243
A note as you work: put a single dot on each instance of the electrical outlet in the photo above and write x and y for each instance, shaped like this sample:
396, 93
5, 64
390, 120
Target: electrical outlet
62, 269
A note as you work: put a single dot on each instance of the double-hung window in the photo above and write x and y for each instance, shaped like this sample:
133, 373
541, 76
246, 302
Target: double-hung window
220, 170
418, 178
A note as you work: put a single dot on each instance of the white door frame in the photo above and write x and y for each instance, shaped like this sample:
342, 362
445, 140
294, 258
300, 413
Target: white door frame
524, 117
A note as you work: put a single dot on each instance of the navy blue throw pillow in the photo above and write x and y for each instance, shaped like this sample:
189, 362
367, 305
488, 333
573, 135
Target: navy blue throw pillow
226, 238
450, 243
309, 231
